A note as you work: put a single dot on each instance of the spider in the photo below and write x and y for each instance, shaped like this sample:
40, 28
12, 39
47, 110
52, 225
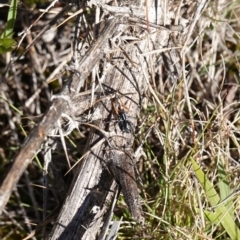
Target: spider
124, 124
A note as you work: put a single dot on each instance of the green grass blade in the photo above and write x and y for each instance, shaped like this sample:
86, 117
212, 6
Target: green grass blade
221, 214
223, 185
12, 14
11, 105
7, 44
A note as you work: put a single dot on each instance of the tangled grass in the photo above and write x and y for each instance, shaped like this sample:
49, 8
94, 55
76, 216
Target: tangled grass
187, 141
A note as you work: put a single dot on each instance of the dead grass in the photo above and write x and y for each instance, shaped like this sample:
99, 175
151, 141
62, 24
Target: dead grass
187, 143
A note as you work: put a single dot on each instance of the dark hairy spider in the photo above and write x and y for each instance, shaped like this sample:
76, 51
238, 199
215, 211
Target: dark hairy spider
124, 124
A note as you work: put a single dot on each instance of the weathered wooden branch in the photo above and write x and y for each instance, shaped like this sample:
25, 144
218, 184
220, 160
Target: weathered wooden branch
62, 103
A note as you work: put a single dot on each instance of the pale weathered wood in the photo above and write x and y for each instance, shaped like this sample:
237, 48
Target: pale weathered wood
86, 208
62, 103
